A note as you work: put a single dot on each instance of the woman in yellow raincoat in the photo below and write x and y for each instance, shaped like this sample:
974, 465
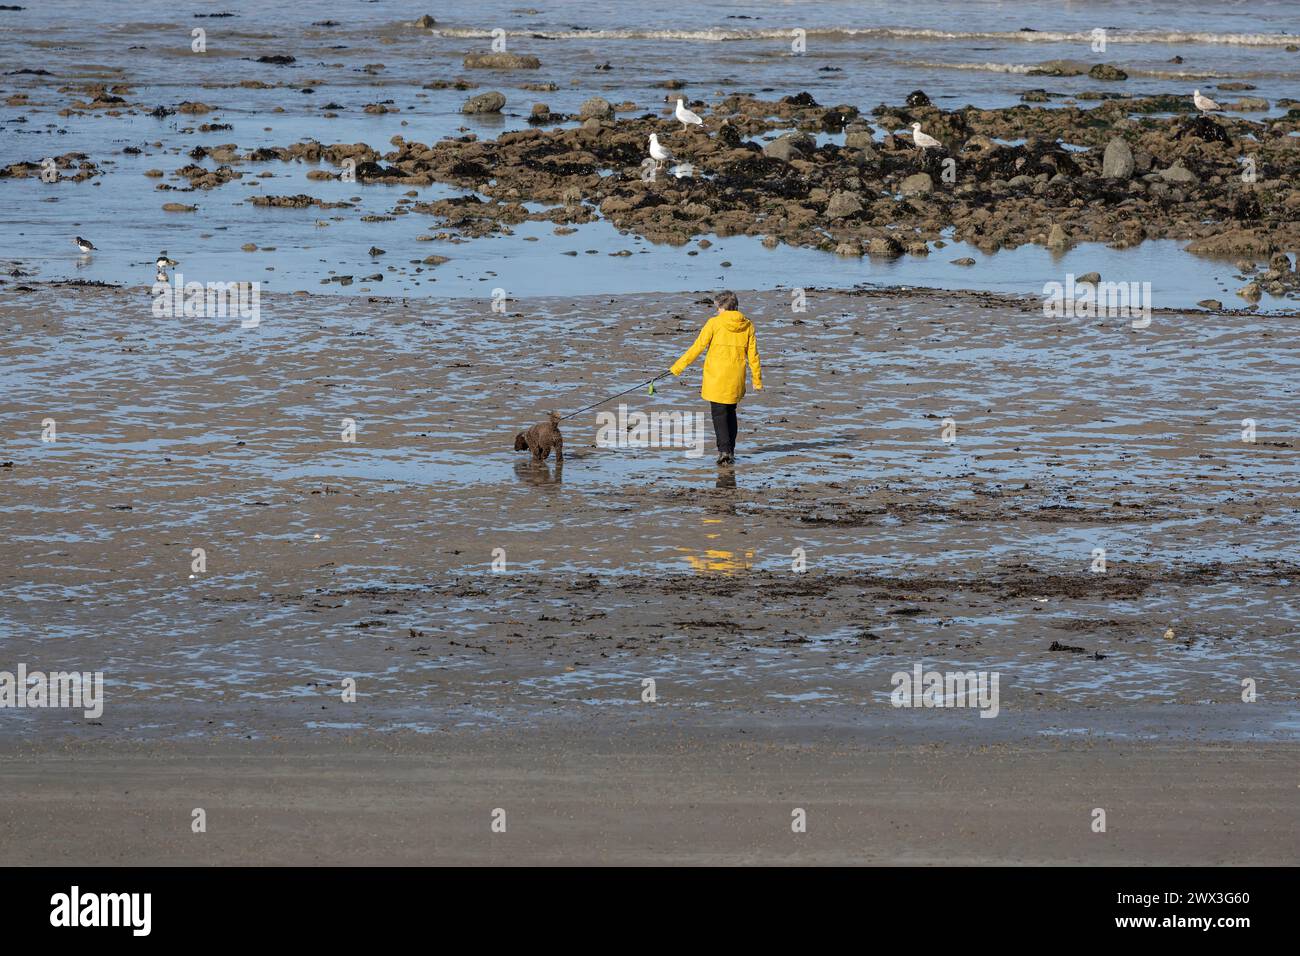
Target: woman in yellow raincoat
729, 338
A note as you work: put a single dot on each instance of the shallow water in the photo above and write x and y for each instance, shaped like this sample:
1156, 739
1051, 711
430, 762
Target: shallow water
862, 53
370, 560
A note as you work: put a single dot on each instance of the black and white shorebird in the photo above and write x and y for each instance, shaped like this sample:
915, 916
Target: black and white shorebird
85, 245
163, 263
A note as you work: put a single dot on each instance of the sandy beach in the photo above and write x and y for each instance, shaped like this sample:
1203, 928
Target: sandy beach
670, 793
989, 583
372, 561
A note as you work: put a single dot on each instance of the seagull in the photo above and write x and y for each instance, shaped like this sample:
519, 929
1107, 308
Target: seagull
688, 119
163, 262
658, 153
921, 140
85, 245
1204, 103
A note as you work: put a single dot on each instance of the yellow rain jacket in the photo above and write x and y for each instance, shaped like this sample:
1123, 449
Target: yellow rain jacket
729, 337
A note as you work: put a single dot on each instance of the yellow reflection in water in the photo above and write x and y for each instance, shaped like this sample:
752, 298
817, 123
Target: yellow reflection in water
717, 560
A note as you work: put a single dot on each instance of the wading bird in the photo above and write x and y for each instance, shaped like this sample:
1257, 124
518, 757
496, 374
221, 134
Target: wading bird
687, 118
921, 140
1204, 103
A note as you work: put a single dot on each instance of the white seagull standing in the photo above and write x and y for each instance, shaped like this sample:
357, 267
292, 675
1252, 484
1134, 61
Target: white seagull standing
85, 245
658, 153
1204, 103
921, 139
687, 118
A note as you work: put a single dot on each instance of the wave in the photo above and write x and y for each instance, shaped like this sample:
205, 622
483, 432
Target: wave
720, 35
1024, 68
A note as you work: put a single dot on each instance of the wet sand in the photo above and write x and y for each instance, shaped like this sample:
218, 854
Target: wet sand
682, 793
329, 560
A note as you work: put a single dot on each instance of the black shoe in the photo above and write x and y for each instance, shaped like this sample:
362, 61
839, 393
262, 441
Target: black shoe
722, 459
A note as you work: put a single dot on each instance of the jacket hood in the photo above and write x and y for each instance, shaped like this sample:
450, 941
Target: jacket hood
734, 321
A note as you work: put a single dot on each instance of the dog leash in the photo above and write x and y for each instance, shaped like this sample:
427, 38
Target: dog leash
648, 381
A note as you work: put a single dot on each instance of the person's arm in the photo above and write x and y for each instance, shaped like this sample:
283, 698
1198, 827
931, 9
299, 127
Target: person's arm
691, 354
754, 368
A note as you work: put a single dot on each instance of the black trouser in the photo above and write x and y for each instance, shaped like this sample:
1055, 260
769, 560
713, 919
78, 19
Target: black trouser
724, 427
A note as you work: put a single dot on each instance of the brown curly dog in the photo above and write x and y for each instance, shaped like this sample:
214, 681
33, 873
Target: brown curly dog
540, 439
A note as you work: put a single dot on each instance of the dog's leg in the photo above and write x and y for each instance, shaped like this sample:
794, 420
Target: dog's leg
559, 449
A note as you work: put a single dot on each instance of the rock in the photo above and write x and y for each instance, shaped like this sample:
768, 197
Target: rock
501, 61
375, 252
788, 147
490, 102
804, 99
1280, 262
963, 261
1104, 71
1214, 305
771, 242
435, 260
1177, 174
844, 204
860, 139
596, 108
848, 247
1059, 68
1057, 237
1088, 278
1202, 127
1248, 104
249, 247
1117, 163
918, 98
425, 22
1234, 242
178, 207
918, 247
1250, 291
918, 184
886, 246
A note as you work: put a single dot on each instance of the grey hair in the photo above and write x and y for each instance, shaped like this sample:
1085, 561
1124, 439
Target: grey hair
726, 302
